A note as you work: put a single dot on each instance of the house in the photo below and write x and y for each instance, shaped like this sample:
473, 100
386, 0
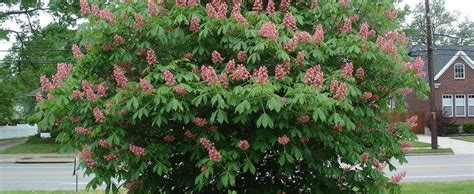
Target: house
453, 81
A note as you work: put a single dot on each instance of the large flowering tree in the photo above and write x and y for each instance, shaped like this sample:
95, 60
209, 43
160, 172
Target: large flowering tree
253, 96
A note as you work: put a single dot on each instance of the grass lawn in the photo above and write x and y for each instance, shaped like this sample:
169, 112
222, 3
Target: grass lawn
424, 151
464, 138
34, 144
459, 187
418, 144
57, 192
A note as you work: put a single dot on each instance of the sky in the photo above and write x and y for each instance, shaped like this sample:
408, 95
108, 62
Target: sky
464, 7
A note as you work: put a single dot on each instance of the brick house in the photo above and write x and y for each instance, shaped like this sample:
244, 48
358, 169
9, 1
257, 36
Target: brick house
454, 82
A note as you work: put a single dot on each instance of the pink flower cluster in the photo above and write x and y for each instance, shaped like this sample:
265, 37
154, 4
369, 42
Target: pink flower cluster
111, 156
405, 146
391, 14
242, 56
344, 3
300, 36
98, 115
63, 70
107, 15
188, 56
261, 74
365, 32
216, 9
282, 69
101, 89
85, 9
416, 66
258, 5
208, 74
268, 30
347, 26
169, 138
378, 165
119, 39
45, 83
314, 76
216, 57
347, 70
270, 7
120, 77
283, 140
87, 157
395, 179
412, 121
189, 134
318, 35
201, 122
211, 150
150, 57
367, 95
240, 73
194, 24
146, 86
405, 91
191, 3
138, 151
77, 94
338, 128
180, 90
38, 97
82, 130
244, 145
169, 78
95, 9
180, 2
360, 73
304, 118
338, 89
76, 51
365, 156
304, 139
104, 144
300, 57
152, 7
284, 4
236, 12
139, 21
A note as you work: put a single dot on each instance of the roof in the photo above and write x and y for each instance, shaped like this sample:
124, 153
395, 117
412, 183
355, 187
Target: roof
444, 56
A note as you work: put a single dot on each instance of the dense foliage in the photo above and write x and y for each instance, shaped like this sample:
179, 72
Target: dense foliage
212, 96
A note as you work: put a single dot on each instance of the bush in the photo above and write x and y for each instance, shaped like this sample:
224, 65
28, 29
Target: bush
468, 127
165, 99
444, 124
448, 130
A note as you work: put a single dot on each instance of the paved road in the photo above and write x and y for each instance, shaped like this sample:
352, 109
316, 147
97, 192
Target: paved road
438, 168
39, 177
21, 130
59, 176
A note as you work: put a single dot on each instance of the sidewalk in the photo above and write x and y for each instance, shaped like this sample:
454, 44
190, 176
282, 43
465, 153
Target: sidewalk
37, 158
458, 146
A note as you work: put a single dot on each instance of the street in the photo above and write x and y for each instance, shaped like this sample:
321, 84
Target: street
59, 176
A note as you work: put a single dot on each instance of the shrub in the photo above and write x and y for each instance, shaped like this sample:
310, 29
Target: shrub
468, 127
444, 124
176, 98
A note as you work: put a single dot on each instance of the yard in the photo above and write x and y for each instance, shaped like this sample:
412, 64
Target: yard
34, 144
464, 138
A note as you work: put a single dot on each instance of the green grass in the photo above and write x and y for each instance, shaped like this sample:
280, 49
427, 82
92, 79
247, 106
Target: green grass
418, 144
34, 144
57, 192
459, 187
464, 138
426, 151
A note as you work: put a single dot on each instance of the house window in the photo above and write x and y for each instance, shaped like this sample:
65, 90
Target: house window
458, 71
460, 105
470, 103
448, 105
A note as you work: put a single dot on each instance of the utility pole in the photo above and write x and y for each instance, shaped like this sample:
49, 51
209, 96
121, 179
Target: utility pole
429, 40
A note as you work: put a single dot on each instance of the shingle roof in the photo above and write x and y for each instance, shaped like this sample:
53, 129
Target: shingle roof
441, 54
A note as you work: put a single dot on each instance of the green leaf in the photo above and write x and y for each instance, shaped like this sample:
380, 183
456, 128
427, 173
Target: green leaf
244, 106
265, 121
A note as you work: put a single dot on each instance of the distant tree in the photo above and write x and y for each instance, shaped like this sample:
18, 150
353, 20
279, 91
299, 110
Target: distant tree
447, 30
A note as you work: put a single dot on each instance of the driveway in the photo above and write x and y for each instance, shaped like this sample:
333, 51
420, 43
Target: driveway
22, 130
458, 146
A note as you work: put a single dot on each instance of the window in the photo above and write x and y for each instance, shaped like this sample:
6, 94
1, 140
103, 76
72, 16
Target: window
470, 103
460, 105
391, 104
448, 105
458, 71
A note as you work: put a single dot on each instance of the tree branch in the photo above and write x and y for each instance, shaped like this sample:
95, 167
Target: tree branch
24, 11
